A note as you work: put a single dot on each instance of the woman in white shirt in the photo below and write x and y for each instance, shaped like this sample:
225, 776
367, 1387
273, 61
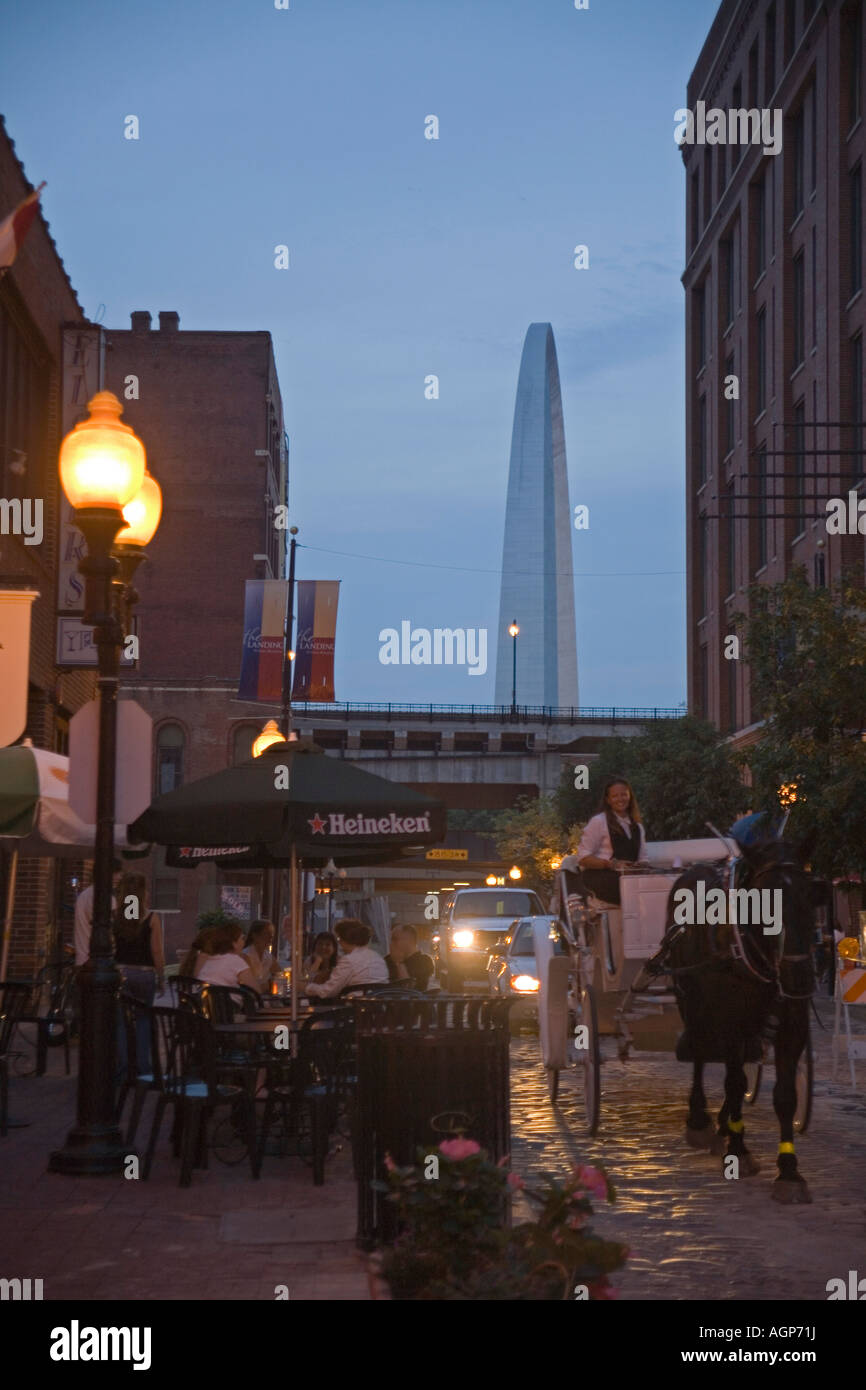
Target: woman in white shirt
611, 841
359, 964
257, 950
224, 962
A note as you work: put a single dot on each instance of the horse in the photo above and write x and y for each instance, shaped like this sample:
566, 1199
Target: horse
732, 979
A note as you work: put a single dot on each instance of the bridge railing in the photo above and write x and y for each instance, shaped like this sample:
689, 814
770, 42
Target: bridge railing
494, 714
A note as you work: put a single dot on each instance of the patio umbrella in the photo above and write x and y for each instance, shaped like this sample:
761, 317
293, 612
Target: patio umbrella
36, 818
292, 803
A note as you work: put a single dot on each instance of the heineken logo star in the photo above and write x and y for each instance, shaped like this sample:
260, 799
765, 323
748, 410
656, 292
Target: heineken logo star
318, 824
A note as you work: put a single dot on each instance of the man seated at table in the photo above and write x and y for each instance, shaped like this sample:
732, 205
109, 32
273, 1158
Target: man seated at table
358, 965
405, 962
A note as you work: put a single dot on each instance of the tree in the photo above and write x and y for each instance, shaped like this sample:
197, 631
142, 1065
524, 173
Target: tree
681, 771
530, 836
807, 652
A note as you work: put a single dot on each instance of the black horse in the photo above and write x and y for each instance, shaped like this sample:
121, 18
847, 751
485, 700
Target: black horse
731, 980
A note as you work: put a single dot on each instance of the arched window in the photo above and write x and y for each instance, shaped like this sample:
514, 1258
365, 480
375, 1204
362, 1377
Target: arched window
242, 743
169, 758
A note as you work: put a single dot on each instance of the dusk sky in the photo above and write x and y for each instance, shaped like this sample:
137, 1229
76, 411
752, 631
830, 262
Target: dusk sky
408, 257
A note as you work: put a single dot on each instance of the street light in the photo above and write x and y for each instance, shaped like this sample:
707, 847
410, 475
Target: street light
513, 631
102, 469
270, 735
514, 873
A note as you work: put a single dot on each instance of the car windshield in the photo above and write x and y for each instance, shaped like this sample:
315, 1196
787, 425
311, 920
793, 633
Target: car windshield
523, 943
509, 904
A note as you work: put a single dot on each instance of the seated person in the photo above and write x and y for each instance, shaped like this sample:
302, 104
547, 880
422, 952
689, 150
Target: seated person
359, 964
258, 952
406, 962
319, 965
612, 840
222, 962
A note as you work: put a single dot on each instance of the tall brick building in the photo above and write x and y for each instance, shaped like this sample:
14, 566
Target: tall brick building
36, 300
207, 406
774, 298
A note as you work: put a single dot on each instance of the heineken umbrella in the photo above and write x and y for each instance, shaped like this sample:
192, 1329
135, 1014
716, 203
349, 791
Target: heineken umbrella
36, 818
292, 798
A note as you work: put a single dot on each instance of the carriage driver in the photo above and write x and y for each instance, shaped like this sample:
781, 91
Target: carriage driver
611, 841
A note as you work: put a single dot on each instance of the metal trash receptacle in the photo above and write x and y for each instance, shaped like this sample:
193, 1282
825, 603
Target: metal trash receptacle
427, 1069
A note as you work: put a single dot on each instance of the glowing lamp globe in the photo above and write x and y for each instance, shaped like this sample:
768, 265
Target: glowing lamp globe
102, 462
515, 873
270, 735
490, 880
849, 948
142, 514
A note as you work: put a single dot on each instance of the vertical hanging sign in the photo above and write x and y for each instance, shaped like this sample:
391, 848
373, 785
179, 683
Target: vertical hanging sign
264, 640
314, 645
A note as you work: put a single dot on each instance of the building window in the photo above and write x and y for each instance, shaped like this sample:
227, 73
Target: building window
855, 225
708, 185
813, 139
820, 570
704, 566
700, 310
799, 508
727, 254
166, 895
799, 305
730, 406
737, 104
753, 75
704, 683
798, 191
814, 289
790, 29
808, 11
169, 758
761, 548
731, 537
759, 223
731, 700
61, 733
852, 57
24, 385
702, 440
770, 55
857, 468
695, 209
242, 743
761, 360
722, 170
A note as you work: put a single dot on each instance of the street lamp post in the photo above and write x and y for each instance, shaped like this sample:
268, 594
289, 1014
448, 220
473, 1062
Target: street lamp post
102, 469
513, 631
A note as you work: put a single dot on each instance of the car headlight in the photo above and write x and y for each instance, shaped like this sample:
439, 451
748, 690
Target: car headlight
463, 940
525, 984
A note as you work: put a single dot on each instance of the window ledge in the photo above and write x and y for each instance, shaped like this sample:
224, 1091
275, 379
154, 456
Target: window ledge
798, 369
853, 300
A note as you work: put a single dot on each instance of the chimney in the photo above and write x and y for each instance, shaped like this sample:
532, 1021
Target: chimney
169, 321
140, 321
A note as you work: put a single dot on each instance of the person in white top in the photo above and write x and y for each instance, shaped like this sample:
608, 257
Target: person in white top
223, 961
83, 927
359, 965
612, 841
258, 952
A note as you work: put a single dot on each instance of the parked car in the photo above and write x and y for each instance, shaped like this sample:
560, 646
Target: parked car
512, 971
473, 921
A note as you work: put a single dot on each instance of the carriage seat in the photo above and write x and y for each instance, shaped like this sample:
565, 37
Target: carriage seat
575, 887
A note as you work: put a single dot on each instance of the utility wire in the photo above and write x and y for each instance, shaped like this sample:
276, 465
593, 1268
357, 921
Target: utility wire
468, 569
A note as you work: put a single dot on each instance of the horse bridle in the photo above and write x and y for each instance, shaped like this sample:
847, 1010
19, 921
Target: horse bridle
774, 964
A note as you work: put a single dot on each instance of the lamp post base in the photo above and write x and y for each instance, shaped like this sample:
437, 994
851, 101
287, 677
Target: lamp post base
90, 1151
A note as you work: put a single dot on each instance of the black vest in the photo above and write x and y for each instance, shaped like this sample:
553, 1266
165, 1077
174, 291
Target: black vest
625, 847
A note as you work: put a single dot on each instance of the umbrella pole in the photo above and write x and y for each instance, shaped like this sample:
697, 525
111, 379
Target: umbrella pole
297, 946
10, 907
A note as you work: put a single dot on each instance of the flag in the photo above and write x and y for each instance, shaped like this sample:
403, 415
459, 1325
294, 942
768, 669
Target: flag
314, 648
15, 227
264, 640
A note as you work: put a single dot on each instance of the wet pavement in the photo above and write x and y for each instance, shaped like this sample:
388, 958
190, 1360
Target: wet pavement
692, 1233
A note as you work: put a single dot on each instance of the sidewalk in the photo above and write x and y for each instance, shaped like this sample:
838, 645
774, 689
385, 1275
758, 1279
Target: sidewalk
225, 1237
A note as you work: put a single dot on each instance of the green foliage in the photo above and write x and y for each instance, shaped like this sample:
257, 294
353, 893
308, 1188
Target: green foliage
531, 836
482, 822
682, 773
807, 653
215, 918
456, 1245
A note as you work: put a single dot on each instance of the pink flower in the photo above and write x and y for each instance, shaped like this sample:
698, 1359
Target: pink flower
389, 1163
602, 1290
459, 1148
515, 1182
593, 1179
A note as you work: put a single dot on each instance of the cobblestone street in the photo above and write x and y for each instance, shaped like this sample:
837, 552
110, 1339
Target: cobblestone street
692, 1234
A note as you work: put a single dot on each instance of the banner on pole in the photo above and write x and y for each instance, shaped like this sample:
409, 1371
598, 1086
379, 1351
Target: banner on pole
15, 605
314, 647
264, 640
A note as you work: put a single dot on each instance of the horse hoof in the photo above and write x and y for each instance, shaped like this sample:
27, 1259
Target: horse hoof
700, 1138
791, 1191
747, 1164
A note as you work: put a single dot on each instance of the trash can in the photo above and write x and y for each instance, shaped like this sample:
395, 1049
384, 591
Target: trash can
428, 1069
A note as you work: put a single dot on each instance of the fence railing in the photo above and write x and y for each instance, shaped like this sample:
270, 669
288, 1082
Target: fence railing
496, 714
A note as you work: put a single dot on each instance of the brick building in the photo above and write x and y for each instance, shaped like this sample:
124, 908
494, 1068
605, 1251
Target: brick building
36, 300
774, 298
207, 406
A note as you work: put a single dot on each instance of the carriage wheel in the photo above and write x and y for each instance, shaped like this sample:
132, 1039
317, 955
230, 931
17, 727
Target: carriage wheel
589, 1060
804, 1083
754, 1071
